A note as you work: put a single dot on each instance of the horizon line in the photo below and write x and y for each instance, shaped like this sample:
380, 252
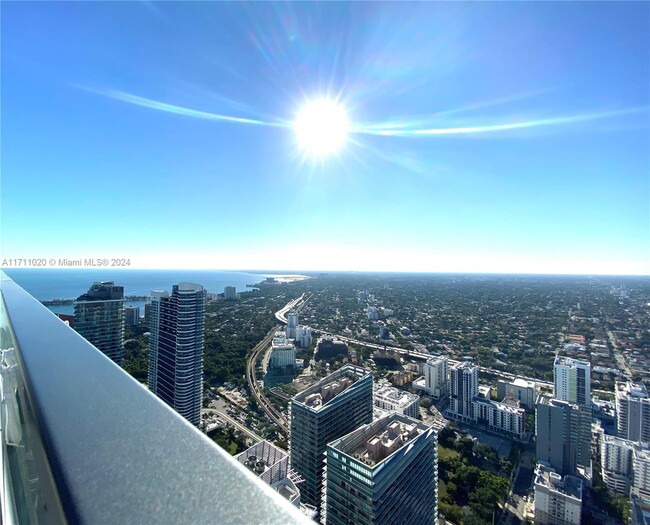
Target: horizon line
325, 271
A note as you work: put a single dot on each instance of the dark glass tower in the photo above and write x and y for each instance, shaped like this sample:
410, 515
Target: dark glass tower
99, 318
176, 348
328, 410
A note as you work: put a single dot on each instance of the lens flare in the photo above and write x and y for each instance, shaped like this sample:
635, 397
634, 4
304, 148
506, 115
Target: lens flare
321, 127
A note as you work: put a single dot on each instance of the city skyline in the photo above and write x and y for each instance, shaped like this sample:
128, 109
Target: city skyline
487, 138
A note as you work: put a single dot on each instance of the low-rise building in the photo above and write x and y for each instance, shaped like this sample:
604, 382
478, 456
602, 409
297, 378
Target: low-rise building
391, 399
558, 499
271, 465
520, 389
505, 418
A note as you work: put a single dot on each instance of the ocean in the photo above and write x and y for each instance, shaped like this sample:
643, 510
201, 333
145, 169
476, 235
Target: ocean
57, 283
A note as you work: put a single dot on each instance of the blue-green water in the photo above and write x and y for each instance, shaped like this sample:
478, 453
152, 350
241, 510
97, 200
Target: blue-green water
55, 283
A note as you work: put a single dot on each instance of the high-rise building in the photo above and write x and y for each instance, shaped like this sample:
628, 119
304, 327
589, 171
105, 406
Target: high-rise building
436, 376
147, 312
633, 411
327, 410
303, 336
373, 313
383, 473
563, 435
558, 499
616, 461
283, 352
99, 318
176, 348
572, 380
463, 388
132, 316
292, 324
641, 466
230, 293
391, 399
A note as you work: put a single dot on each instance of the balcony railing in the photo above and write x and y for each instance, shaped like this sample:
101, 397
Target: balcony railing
83, 442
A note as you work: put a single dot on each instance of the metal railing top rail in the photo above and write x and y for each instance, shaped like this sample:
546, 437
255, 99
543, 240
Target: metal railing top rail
116, 453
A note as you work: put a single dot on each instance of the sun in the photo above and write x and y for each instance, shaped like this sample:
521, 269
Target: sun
321, 127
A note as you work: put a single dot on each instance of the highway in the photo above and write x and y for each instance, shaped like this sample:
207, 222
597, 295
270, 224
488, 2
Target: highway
421, 355
222, 415
281, 315
266, 405
261, 399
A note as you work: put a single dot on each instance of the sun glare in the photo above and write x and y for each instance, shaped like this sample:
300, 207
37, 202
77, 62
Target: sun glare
321, 127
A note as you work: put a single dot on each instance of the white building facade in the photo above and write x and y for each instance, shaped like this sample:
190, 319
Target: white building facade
572, 379
436, 376
558, 499
633, 411
391, 399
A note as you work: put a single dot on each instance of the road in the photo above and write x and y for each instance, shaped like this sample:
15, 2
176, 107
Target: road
281, 315
261, 399
620, 359
420, 355
221, 412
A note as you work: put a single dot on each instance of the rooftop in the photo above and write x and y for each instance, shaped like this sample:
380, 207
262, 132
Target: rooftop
523, 383
628, 388
569, 486
321, 393
569, 361
373, 443
397, 396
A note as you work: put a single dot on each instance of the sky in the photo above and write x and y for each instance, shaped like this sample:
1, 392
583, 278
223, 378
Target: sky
483, 137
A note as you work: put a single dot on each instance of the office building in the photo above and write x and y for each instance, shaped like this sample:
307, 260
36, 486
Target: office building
176, 348
383, 473
463, 388
230, 293
283, 352
99, 318
131, 316
329, 409
572, 379
391, 399
558, 499
436, 377
632, 411
271, 465
520, 389
563, 436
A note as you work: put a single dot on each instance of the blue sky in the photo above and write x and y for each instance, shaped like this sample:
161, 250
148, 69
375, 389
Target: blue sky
539, 162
